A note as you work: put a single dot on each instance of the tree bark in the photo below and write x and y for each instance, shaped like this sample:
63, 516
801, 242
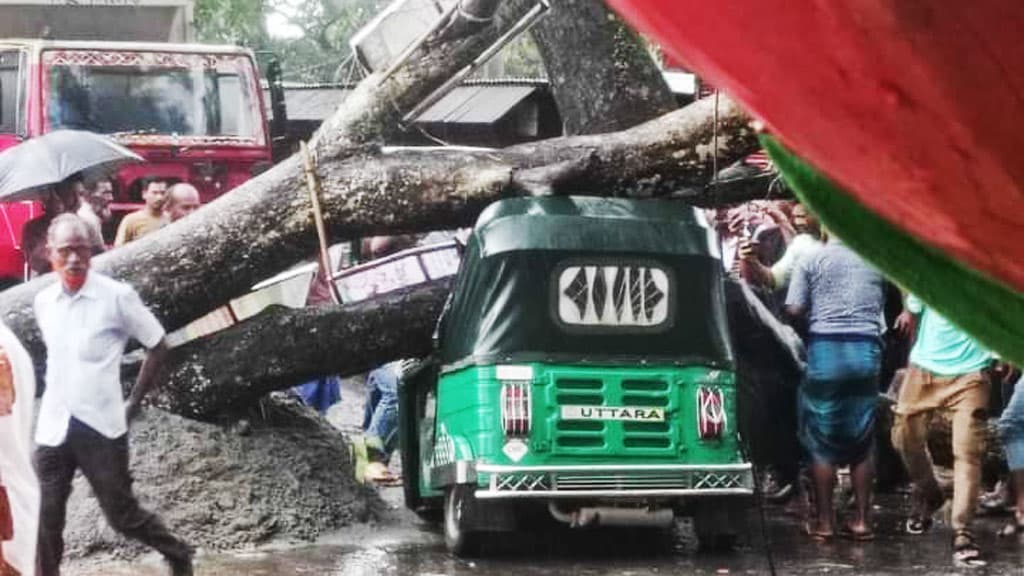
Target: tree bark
610, 85
232, 369
196, 264
281, 347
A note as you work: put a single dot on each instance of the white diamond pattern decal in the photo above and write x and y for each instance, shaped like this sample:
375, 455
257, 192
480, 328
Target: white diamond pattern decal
613, 296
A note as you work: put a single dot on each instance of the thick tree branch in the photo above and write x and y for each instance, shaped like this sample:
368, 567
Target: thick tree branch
280, 347
261, 228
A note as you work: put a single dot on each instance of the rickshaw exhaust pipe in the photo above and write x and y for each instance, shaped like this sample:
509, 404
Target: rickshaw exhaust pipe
609, 516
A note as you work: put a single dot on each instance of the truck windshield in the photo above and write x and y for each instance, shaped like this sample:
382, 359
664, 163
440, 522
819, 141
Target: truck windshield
12, 92
186, 96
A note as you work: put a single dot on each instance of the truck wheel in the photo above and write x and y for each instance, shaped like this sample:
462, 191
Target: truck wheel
458, 519
717, 526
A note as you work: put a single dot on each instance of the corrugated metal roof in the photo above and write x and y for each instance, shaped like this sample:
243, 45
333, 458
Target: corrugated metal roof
314, 104
475, 101
476, 104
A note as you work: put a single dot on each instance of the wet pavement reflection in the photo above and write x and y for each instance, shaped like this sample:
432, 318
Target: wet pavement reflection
411, 548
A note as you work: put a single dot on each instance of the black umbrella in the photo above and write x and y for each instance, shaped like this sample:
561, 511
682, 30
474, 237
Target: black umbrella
29, 168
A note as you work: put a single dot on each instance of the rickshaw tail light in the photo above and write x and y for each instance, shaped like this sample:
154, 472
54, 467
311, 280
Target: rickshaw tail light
515, 408
711, 416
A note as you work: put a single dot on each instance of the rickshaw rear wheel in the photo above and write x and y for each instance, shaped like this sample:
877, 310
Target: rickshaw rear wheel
459, 538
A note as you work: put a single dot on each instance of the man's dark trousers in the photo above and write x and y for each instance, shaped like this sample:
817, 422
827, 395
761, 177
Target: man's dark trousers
104, 463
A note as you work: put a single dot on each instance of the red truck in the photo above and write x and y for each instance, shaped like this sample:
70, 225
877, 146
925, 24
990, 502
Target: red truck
194, 112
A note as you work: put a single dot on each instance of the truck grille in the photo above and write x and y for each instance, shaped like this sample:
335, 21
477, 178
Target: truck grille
609, 436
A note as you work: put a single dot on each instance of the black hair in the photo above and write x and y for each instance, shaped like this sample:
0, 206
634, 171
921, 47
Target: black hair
147, 180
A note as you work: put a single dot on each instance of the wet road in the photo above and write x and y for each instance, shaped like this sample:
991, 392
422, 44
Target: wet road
407, 547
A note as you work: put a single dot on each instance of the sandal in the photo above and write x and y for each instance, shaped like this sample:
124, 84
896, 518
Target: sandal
917, 525
920, 520
1012, 529
966, 553
996, 501
817, 535
378, 473
821, 537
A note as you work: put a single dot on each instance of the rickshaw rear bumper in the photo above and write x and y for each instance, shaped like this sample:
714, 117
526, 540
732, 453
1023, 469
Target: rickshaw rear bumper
599, 481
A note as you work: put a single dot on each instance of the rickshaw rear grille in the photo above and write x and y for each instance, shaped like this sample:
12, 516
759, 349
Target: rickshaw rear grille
642, 442
625, 438
645, 400
580, 426
581, 441
579, 399
645, 385
578, 384
650, 427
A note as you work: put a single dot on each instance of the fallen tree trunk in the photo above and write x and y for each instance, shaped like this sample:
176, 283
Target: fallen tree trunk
264, 226
230, 370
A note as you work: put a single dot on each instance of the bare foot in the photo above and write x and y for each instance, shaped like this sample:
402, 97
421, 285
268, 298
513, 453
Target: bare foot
820, 532
859, 531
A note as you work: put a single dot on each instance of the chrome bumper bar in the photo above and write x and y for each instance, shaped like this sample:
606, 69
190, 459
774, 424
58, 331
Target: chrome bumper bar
596, 481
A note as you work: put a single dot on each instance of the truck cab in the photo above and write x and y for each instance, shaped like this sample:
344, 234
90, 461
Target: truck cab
194, 112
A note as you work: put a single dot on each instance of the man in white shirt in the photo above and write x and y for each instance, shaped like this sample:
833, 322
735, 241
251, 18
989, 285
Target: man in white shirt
806, 241
86, 320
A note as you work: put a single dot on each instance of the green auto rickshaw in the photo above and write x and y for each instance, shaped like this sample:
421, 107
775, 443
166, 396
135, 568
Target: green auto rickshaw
582, 364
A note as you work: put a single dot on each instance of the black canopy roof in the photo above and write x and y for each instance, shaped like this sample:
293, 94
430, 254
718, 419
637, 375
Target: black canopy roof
527, 256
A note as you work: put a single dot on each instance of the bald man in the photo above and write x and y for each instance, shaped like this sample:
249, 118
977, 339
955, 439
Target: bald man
182, 200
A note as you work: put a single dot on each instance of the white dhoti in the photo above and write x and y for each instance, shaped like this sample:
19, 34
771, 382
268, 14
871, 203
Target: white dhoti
17, 474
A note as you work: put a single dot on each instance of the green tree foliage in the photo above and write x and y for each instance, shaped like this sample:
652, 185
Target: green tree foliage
231, 22
321, 53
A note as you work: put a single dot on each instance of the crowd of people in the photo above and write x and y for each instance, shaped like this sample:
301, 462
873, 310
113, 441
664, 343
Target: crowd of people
163, 203
837, 303
807, 277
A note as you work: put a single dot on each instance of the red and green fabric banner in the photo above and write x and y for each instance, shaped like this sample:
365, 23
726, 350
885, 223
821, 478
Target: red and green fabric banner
907, 119
988, 309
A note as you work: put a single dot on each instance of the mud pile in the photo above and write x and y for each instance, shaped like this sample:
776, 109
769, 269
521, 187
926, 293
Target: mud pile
286, 475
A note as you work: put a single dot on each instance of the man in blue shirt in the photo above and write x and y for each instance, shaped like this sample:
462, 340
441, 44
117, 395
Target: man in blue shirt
840, 298
946, 372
